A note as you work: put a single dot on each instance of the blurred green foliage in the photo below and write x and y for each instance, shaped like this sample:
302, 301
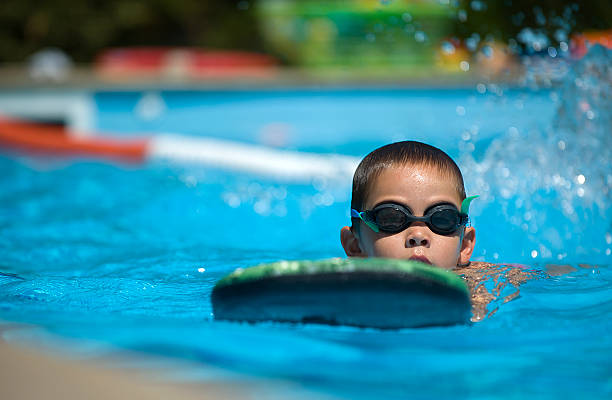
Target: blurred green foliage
355, 33
82, 28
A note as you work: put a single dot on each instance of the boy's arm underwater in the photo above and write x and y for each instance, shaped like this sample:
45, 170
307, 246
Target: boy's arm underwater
487, 282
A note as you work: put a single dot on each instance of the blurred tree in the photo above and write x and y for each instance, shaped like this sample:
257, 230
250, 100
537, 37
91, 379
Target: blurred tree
82, 28
527, 25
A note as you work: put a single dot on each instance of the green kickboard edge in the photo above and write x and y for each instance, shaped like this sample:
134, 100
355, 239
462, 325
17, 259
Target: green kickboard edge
344, 265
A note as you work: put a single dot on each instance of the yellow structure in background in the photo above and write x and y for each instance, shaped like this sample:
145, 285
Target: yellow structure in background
358, 33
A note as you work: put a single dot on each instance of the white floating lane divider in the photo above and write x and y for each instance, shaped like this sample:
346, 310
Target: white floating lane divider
280, 164
250, 158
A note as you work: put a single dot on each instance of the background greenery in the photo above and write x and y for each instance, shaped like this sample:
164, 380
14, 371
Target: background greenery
82, 28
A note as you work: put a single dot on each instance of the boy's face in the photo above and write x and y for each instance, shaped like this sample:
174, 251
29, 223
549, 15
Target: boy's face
417, 188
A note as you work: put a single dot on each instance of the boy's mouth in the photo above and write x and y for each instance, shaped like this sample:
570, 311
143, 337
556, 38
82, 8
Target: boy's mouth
422, 259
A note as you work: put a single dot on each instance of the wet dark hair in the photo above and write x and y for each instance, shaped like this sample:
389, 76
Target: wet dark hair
401, 154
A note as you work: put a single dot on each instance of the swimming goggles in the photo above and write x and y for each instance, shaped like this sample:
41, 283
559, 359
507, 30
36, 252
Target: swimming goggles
443, 219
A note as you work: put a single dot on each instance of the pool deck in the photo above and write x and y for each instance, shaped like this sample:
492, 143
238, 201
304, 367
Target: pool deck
38, 372
28, 374
17, 77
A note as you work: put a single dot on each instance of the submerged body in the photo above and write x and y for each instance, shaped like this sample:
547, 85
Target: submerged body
489, 283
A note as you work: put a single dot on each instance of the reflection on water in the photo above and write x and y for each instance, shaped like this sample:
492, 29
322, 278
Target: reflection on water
553, 186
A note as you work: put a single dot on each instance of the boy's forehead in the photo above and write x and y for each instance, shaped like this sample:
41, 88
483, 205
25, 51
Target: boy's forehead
412, 174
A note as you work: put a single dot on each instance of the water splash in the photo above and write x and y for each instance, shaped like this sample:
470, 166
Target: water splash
554, 185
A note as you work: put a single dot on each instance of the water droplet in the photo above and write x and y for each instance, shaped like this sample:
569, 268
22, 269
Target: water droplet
608, 252
563, 46
561, 145
407, 17
534, 253
578, 83
460, 110
536, 40
580, 192
481, 88
608, 238
464, 65
420, 36
447, 47
590, 114
487, 51
472, 43
539, 14
262, 207
478, 5
232, 200
462, 15
580, 179
150, 106
554, 96
552, 52
200, 270
370, 37
560, 35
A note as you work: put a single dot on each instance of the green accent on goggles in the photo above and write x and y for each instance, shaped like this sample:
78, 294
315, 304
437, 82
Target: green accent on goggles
465, 204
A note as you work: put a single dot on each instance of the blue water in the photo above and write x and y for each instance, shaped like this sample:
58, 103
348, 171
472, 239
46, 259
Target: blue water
126, 256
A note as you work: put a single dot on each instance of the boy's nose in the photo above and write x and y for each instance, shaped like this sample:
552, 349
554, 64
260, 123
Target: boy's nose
415, 239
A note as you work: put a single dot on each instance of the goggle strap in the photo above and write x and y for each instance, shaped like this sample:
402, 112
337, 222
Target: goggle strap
357, 214
372, 226
465, 204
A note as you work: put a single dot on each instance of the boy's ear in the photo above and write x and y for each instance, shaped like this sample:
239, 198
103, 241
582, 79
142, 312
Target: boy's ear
467, 245
350, 243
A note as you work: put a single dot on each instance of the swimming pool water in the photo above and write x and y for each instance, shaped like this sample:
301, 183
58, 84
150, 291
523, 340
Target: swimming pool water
126, 256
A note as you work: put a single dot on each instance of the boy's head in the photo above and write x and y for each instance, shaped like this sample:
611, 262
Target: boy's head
401, 180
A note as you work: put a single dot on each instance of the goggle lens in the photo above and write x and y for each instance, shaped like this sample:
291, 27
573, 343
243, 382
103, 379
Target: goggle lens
390, 219
443, 219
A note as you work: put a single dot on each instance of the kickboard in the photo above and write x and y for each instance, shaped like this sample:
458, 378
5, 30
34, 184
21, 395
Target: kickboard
362, 292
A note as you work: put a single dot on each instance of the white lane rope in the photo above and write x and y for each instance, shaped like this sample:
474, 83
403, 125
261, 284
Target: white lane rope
250, 158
